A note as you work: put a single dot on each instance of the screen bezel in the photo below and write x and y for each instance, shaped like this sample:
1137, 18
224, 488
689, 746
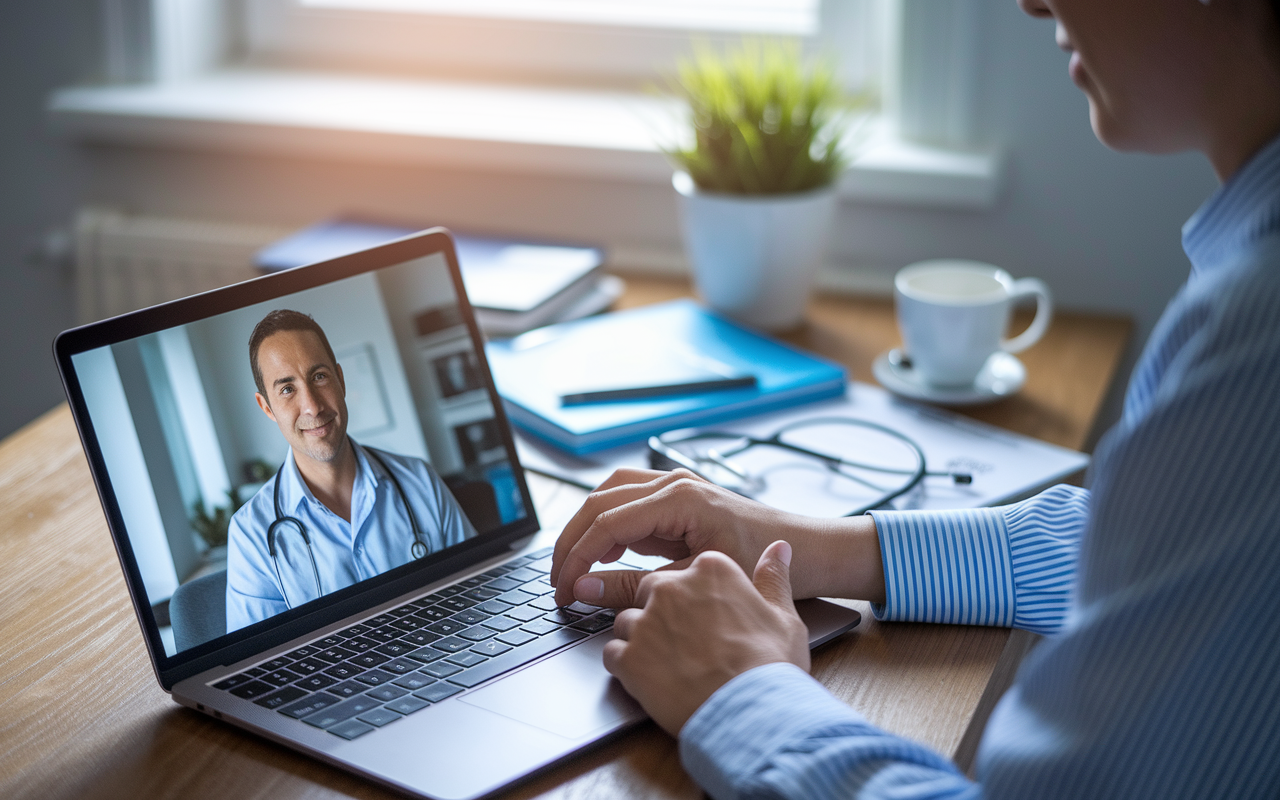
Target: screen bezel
335, 606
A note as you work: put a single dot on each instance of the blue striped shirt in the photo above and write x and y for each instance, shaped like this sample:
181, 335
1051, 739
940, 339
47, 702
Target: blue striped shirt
1158, 676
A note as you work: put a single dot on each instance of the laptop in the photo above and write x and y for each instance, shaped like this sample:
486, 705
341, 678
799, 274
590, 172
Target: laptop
412, 639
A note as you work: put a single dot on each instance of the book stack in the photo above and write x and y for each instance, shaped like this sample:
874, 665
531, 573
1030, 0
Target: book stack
514, 286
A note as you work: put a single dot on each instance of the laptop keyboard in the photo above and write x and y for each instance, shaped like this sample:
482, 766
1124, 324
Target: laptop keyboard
402, 660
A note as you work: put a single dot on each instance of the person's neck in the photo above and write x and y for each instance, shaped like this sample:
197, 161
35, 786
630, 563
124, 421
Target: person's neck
1244, 113
332, 482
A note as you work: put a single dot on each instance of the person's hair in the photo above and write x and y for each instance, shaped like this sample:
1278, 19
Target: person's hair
279, 321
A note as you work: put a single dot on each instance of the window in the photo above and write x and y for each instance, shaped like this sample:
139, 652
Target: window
612, 42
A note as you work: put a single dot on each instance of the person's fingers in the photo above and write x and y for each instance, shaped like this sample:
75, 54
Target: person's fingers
625, 622
612, 655
622, 487
772, 576
610, 588
654, 511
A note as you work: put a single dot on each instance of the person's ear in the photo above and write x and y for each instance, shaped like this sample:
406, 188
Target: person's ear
341, 378
264, 405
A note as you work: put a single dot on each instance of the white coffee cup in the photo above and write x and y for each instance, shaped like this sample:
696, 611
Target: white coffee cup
953, 315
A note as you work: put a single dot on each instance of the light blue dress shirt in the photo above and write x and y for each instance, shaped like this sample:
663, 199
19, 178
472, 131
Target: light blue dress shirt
1160, 676
378, 537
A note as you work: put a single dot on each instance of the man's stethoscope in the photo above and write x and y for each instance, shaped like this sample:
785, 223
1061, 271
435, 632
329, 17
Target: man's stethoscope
418, 549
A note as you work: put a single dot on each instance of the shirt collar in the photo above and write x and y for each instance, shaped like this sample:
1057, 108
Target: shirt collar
1245, 209
294, 490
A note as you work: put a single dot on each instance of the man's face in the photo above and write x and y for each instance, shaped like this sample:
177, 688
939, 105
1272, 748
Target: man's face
306, 395
1142, 65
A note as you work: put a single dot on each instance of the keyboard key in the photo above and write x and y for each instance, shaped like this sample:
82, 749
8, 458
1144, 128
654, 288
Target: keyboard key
502, 584
408, 624
546, 603
525, 613
500, 623
275, 664
523, 575
256, 672
470, 583
279, 678
344, 671
465, 659
481, 593
446, 627
303, 652
458, 603
379, 717
582, 609
516, 638
252, 689
330, 641
341, 712
419, 638
541, 553
384, 635
515, 597
283, 697
379, 621
593, 624
360, 644
493, 647
351, 729
369, 659
426, 655
316, 682
348, 689
402, 611
541, 565
227, 684
433, 613
441, 669
401, 666
540, 586
408, 705
509, 661
396, 649
437, 692
354, 630
376, 677
562, 616
471, 616
308, 666
540, 627
451, 645
476, 634
413, 681
489, 607
449, 592
333, 655
501, 569
387, 693
309, 706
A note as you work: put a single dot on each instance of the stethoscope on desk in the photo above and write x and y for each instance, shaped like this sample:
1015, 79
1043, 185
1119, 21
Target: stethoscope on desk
418, 549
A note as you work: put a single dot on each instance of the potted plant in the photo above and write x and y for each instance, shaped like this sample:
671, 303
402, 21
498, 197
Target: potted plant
756, 187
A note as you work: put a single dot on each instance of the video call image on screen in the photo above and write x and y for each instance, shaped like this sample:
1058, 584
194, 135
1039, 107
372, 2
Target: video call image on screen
228, 491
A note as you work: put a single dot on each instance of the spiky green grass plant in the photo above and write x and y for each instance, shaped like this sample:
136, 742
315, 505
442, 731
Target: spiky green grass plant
766, 121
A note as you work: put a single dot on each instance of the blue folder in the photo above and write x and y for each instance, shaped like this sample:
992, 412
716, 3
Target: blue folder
535, 370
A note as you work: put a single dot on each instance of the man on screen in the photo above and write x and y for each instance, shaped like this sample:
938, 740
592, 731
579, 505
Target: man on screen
336, 513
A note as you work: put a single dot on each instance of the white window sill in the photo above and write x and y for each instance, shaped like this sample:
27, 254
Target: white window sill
606, 135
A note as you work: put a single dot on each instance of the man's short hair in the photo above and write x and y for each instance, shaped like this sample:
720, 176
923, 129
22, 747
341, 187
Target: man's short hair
279, 321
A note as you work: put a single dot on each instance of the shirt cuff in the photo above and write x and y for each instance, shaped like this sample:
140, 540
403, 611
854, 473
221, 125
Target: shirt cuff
747, 721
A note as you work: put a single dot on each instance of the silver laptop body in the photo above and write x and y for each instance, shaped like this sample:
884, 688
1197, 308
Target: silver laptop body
450, 675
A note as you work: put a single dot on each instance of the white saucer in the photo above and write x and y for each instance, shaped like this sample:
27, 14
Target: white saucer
1002, 376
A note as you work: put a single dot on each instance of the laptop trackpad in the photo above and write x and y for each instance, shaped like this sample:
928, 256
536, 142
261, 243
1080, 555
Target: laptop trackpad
569, 694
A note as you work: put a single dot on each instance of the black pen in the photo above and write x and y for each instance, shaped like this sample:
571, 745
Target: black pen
658, 390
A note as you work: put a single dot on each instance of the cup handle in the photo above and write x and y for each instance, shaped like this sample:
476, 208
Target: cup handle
1031, 287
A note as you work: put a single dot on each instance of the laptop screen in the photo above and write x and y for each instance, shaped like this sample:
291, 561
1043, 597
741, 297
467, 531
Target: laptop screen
360, 436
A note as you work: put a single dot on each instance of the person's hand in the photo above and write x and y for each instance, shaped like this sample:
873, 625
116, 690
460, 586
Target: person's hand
678, 515
700, 627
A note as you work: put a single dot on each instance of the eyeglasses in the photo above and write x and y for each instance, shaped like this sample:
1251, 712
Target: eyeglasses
867, 463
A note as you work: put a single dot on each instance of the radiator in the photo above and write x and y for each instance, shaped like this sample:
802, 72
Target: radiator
124, 262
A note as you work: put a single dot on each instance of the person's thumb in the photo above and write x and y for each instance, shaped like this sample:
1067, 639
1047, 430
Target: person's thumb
614, 588
772, 576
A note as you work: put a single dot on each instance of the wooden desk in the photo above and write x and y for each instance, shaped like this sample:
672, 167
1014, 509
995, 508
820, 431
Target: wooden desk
81, 714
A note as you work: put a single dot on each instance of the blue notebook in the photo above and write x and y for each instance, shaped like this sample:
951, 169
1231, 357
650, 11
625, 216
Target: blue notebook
656, 344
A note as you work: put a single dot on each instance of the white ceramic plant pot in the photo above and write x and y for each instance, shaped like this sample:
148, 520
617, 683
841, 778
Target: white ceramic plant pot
754, 257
